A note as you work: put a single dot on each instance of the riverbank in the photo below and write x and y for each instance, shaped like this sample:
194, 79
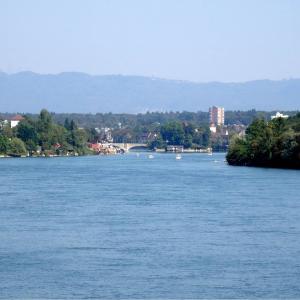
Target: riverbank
206, 150
54, 155
279, 165
274, 144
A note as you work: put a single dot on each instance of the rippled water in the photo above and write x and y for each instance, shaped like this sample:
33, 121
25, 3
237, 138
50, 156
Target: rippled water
133, 227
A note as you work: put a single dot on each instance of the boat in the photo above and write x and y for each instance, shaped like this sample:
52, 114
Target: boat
209, 153
178, 156
150, 156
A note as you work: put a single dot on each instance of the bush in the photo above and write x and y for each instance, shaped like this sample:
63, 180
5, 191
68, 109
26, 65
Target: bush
16, 147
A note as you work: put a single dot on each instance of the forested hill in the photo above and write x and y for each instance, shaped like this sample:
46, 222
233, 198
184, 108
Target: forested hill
28, 92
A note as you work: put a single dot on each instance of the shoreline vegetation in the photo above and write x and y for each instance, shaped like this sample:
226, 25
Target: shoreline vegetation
273, 144
42, 136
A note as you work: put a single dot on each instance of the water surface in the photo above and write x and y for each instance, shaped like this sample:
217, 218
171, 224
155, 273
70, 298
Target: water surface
131, 227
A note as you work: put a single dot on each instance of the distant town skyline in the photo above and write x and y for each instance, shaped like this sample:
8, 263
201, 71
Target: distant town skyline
200, 41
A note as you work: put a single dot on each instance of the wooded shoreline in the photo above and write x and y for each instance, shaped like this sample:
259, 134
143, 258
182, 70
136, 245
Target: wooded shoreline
273, 144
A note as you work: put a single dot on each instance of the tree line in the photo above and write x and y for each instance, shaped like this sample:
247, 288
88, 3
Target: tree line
43, 136
147, 119
272, 144
181, 133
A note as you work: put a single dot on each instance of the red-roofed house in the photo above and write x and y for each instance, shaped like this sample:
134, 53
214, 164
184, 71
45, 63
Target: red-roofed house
15, 120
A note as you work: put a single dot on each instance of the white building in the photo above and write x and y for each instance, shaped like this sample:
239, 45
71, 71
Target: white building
15, 121
213, 128
279, 115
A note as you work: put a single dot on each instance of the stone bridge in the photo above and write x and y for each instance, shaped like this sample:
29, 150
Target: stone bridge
127, 146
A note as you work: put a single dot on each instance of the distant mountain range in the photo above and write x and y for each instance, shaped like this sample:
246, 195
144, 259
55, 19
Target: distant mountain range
79, 92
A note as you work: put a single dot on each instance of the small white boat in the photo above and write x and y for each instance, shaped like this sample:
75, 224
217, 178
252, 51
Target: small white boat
150, 156
209, 153
178, 156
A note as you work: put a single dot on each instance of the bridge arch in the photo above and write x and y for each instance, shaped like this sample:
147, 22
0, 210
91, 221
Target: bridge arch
136, 148
130, 146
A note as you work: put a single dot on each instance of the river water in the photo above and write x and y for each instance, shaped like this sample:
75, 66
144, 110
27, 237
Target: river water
130, 227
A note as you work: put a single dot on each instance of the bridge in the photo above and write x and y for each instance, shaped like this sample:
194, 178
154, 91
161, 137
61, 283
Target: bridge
129, 146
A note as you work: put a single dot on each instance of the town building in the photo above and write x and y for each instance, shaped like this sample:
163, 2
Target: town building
105, 134
212, 128
216, 116
279, 115
15, 121
174, 148
238, 129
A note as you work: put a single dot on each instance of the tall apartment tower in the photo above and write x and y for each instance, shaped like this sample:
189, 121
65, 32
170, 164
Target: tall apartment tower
216, 115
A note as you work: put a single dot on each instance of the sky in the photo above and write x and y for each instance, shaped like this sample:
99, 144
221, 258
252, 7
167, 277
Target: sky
196, 40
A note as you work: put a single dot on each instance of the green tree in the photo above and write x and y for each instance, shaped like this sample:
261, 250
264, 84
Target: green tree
238, 153
188, 140
4, 144
275, 143
76, 137
157, 143
173, 133
7, 131
57, 135
27, 132
259, 138
44, 128
67, 124
16, 147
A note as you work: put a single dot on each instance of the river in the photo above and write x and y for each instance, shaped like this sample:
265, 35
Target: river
130, 227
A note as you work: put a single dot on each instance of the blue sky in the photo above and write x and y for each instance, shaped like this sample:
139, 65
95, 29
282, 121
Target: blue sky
212, 40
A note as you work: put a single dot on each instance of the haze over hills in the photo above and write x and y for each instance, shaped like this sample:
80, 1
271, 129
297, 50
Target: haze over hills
83, 93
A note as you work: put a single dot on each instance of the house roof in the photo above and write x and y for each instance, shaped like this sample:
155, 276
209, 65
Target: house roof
17, 118
95, 146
